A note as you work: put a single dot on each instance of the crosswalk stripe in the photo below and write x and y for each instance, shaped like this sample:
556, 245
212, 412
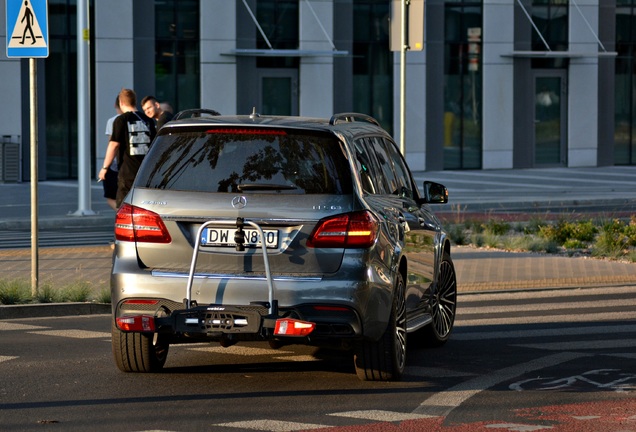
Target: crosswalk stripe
76, 334
545, 307
581, 345
239, 350
604, 316
516, 334
380, 415
538, 295
9, 326
272, 425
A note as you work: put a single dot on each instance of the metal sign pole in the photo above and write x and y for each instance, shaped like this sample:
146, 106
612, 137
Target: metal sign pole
83, 111
403, 48
34, 176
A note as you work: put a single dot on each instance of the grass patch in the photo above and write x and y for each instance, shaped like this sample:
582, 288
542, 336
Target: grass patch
18, 291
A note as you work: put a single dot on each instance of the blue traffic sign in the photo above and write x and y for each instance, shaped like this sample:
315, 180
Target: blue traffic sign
27, 28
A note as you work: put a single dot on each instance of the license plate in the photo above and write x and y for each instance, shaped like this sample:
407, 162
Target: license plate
225, 237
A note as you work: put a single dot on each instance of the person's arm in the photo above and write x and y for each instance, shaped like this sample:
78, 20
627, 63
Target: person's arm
111, 153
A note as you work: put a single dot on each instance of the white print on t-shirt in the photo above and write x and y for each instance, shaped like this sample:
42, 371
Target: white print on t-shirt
139, 137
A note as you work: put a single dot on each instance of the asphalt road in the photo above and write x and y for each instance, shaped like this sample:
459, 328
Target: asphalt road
559, 360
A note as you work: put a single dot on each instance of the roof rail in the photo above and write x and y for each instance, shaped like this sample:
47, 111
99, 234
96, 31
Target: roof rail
193, 113
351, 117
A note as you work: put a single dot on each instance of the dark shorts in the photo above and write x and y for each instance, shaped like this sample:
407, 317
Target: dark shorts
110, 184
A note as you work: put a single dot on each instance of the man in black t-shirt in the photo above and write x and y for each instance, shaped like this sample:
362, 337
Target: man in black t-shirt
132, 135
154, 110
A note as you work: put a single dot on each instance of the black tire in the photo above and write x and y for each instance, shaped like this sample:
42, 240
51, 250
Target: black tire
384, 360
138, 352
443, 306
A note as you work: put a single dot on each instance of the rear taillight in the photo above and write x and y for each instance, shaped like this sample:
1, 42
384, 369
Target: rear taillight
292, 327
349, 230
140, 225
137, 323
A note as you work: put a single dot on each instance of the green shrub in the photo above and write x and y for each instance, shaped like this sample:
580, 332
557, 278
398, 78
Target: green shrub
532, 226
562, 231
612, 240
77, 292
48, 294
458, 235
477, 239
497, 227
15, 292
574, 244
104, 296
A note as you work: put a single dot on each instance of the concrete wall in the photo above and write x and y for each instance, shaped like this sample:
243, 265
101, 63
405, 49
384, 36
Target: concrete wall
218, 71
583, 85
316, 73
114, 63
498, 74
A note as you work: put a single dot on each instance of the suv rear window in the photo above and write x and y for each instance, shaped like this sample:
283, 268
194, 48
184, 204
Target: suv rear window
236, 160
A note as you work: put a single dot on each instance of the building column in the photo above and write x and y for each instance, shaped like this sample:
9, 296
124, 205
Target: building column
218, 72
498, 81
582, 123
114, 63
315, 79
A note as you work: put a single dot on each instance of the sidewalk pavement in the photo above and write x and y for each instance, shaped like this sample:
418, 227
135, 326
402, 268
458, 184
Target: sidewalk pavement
609, 191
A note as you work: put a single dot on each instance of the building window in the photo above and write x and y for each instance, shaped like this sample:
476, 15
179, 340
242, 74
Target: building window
61, 85
279, 21
177, 77
372, 61
625, 84
462, 85
551, 19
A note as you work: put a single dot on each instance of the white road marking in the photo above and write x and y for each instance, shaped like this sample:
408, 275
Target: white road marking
551, 332
75, 334
298, 358
442, 403
436, 372
545, 307
581, 345
518, 427
380, 415
605, 316
6, 358
241, 350
272, 425
9, 326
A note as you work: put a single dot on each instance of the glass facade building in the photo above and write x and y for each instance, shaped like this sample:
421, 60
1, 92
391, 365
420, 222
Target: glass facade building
498, 85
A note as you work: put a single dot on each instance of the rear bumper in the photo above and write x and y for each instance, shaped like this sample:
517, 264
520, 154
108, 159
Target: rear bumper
231, 323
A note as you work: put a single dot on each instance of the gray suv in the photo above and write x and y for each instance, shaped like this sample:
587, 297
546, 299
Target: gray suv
288, 230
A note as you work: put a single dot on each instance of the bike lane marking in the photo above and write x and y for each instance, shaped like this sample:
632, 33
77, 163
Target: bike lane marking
441, 404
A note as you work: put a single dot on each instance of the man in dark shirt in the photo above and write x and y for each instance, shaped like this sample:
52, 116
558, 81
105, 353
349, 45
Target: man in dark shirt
153, 109
132, 135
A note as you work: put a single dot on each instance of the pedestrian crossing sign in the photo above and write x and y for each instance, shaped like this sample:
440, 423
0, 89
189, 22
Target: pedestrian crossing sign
27, 28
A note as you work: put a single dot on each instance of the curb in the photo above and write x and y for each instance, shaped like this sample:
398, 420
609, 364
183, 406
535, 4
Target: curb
41, 310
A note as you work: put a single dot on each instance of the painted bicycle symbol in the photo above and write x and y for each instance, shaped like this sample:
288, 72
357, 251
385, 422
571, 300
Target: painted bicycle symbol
602, 379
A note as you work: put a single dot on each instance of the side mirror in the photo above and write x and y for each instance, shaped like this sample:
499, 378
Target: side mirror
435, 193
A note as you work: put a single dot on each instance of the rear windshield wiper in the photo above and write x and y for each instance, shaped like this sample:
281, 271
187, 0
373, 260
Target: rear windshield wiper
264, 186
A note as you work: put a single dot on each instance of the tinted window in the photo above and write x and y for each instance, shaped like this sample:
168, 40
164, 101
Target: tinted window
385, 165
246, 160
365, 166
402, 174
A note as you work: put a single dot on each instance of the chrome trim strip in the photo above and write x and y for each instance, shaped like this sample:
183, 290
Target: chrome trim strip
160, 273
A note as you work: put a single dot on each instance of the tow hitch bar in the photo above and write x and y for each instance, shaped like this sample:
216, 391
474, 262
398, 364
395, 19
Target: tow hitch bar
280, 326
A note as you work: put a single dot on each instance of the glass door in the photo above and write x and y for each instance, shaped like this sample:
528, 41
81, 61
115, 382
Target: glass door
550, 119
278, 92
